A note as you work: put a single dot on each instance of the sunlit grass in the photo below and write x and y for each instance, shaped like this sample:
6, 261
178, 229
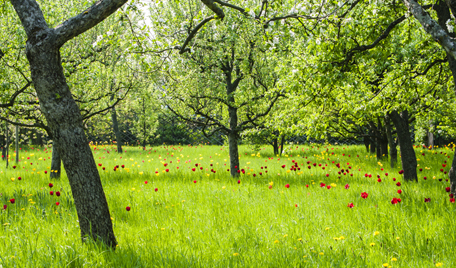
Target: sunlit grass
205, 219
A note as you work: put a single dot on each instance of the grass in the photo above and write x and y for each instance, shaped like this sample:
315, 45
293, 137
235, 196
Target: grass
205, 219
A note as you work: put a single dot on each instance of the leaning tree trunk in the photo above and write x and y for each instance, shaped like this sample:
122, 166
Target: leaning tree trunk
62, 113
56, 163
391, 143
408, 157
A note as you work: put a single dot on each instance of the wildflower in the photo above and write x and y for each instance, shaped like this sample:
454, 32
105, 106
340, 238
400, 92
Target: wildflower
287, 185
145, 182
4, 207
398, 184
399, 191
156, 189
235, 254
347, 186
51, 192
439, 264
12, 200
51, 185
385, 265
194, 181
376, 233
427, 200
364, 195
393, 259
394, 201
127, 208
372, 244
276, 242
239, 181
57, 203
350, 205
447, 189
452, 200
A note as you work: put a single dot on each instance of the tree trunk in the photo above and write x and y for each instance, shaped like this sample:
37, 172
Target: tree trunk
275, 145
7, 144
117, 133
17, 144
366, 141
391, 143
408, 157
234, 154
430, 138
372, 141
282, 142
3, 143
62, 113
56, 163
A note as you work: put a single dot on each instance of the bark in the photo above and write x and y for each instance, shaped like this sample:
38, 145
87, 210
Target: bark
366, 141
372, 141
432, 27
391, 143
62, 113
408, 157
7, 144
17, 144
56, 163
234, 154
117, 133
275, 145
282, 142
3, 143
430, 138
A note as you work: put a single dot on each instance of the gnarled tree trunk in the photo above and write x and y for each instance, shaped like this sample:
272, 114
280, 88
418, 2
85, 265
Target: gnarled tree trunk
408, 157
56, 162
61, 112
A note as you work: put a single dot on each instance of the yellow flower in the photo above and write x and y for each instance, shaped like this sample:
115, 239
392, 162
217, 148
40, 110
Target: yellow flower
162, 229
277, 241
327, 228
235, 254
299, 239
321, 253
397, 237
341, 238
439, 264
333, 185
285, 235
372, 244
385, 265
393, 259
12, 179
376, 233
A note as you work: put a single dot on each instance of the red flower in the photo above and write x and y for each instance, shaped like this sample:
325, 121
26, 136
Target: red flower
123, 166
447, 189
165, 164
193, 169
99, 165
399, 191
451, 195
57, 203
394, 179
394, 201
4, 207
327, 175
401, 171
452, 200
14, 167
347, 186
379, 180
322, 184
424, 178
287, 185
51, 192
19, 178
283, 166
296, 205
156, 189
328, 186
12, 200
194, 181
399, 200
386, 174
398, 184
45, 172
145, 182
51, 185
364, 195
427, 200
57, 193
254, 175
167, 170
350, 205
128, 208
239, 181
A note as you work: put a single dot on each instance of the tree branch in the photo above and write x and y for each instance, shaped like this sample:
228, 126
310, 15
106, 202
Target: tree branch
432, 27
193, 33
217, 10
86, 20
13, 98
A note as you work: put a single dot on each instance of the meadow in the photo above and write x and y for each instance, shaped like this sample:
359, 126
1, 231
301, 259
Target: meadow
177, 206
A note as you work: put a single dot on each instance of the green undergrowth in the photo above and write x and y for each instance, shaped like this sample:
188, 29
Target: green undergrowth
281, 218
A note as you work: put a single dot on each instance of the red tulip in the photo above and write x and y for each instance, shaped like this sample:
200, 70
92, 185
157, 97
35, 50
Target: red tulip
57, 193
399, 191
398, 184
194, 181
350, 205
51, 192
452, 200
145, 182
287, 185
57, 203
448, 189
364, 195
127, 208
347, 186
51, 185
427, 200
12, 200
156, 189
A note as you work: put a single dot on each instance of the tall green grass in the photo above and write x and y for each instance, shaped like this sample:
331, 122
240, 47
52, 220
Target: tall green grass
205, 219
